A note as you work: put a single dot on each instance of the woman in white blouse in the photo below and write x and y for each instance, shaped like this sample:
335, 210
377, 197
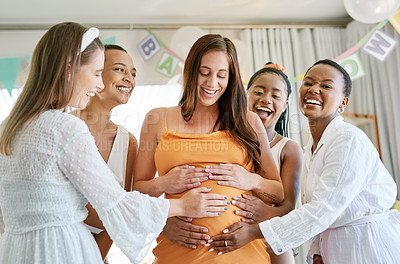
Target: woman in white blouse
346, 191
50, 167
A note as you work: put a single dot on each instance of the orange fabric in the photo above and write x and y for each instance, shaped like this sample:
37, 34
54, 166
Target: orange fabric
200, 150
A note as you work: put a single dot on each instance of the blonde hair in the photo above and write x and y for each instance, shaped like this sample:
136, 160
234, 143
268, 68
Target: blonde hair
50, 81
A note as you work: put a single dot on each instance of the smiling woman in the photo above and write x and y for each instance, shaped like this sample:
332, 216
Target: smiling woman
208, 140
346, 190
89, 81
50, 167
116, 145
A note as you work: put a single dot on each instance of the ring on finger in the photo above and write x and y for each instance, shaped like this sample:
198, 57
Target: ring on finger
226, 243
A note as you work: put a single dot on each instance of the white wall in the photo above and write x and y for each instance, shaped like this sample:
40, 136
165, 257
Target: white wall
15, 43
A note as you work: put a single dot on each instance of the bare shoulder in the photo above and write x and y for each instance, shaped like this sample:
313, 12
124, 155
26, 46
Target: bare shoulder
251, 116
154, 118
175, 109
153, 124
173, 113
291, 148
255, 122
156, 112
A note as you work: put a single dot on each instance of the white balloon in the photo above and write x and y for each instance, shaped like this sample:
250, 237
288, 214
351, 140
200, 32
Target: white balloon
371, 11
184, 38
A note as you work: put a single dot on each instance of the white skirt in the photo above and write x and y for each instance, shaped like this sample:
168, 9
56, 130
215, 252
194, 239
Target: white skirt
372, 242
58, 244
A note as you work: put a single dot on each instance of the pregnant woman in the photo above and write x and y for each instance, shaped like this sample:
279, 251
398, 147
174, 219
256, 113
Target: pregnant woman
211, 126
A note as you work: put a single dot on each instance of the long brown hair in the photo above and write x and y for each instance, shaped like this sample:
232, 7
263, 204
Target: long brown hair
49, 85
232, 104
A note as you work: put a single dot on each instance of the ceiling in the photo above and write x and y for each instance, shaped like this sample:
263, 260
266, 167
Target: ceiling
136, 13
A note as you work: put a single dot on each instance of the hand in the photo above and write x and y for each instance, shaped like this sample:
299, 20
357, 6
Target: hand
180, 231
198, 203
254, 209
317, 259
232, 175
234, 237
182, 178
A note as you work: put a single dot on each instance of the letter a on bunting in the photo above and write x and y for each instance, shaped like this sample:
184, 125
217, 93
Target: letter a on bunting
167, 64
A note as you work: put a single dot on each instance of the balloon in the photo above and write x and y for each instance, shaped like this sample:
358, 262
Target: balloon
184, 38
370, 11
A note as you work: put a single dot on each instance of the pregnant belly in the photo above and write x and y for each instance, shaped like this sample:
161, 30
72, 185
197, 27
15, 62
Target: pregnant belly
217, 224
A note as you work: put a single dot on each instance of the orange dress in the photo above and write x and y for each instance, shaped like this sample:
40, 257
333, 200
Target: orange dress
200, 150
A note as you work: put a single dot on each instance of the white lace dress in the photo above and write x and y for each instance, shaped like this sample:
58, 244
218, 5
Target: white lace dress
54, 171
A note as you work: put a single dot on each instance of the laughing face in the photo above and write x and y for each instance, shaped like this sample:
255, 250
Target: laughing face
267, 97
88, 81
213, 77
322, 93
118, 76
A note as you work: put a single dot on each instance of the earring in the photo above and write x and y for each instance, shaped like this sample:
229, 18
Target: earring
340, 110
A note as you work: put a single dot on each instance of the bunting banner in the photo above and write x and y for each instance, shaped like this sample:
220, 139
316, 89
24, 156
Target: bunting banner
379, 45
165, 46
149, 47
376, 43
353, 66
8, 72
169, 60
9, 67
168, 64
397, 205
395, 21
28, 59
110, 40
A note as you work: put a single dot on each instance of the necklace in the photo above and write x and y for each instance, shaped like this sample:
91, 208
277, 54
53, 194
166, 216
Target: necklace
273, 138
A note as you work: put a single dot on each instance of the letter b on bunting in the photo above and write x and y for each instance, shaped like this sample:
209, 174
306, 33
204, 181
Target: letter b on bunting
149, 47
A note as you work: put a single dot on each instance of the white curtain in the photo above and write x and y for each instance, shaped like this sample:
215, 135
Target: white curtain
296, 50
376, 93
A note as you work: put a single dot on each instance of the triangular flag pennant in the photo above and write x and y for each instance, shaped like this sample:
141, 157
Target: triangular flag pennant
8, 72
352, 64
167, 64
395, 20
379, 45
110, 40
149, 47
397, 205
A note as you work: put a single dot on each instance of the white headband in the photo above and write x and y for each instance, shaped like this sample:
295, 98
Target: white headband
88, 37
